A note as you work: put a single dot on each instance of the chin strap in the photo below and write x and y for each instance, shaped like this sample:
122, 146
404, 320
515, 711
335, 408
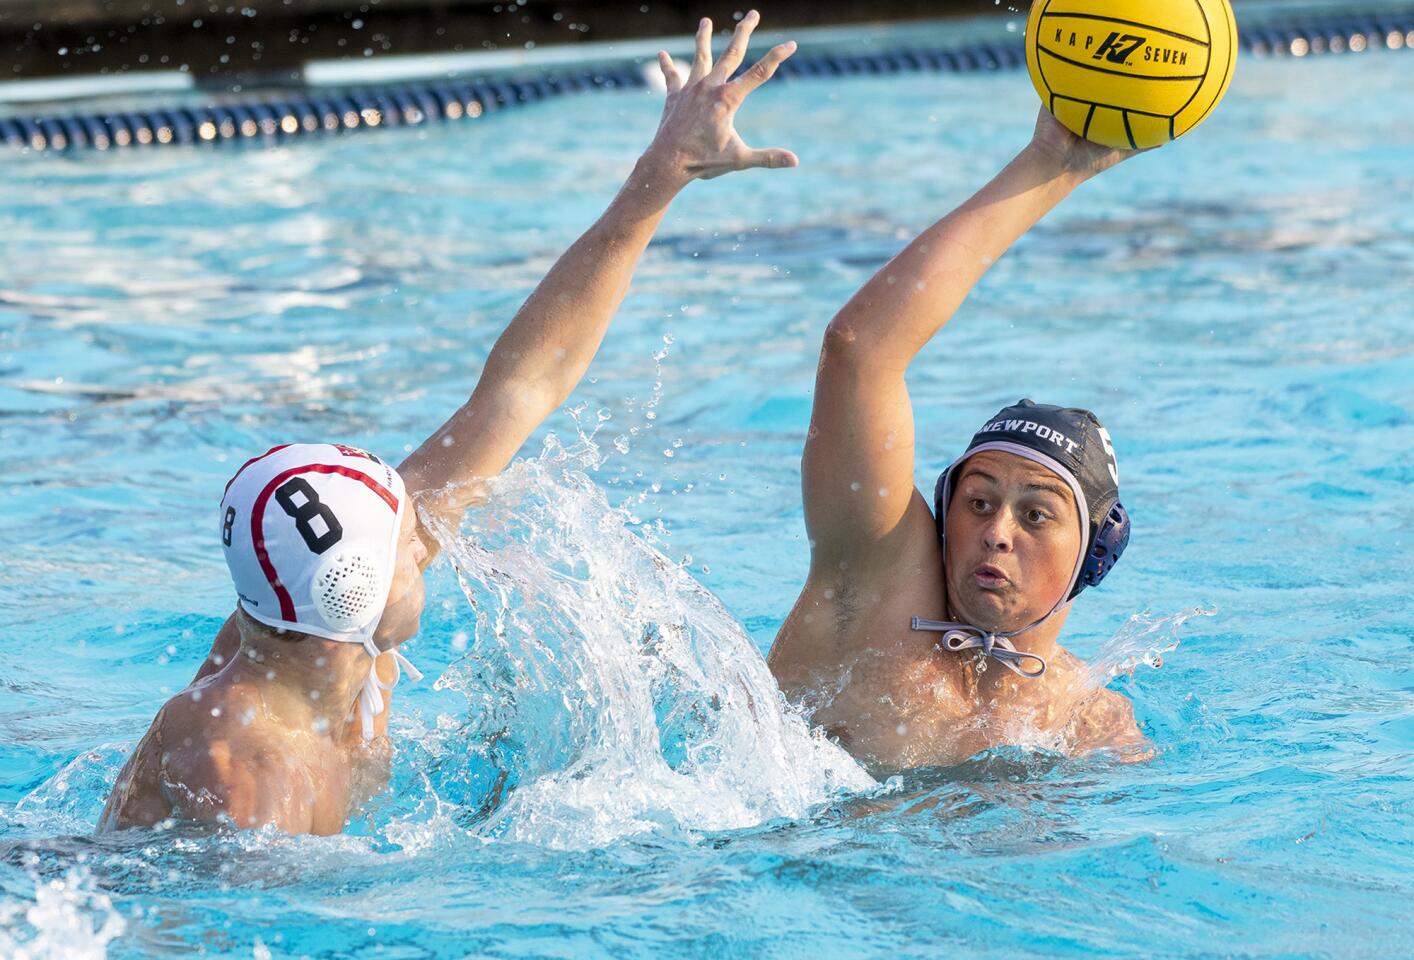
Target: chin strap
958, 637
370, 697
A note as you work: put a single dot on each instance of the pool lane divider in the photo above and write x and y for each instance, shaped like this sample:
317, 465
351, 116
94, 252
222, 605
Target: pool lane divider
301, 112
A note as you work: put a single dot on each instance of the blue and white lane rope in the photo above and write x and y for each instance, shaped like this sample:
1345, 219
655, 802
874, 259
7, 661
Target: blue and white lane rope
278, 116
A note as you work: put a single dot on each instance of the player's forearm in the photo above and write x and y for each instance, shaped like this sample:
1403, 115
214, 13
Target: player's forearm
554, 336
542, 355
551, 340
908, 301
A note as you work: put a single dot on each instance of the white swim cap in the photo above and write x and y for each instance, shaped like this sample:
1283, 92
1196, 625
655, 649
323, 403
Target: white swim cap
310, 532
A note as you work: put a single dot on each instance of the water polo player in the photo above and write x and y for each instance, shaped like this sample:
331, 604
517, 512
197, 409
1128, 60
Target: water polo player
920, 639
325, 547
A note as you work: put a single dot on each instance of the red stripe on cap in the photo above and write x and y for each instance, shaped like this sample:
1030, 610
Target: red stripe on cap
248, 463
257, 526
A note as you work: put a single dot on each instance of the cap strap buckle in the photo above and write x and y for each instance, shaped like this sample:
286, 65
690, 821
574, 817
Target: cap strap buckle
958, 637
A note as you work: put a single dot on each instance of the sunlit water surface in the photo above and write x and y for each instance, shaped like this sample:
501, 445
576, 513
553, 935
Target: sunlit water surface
598, 762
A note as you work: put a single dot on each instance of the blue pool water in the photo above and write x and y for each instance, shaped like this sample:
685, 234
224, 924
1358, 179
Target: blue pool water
584, 776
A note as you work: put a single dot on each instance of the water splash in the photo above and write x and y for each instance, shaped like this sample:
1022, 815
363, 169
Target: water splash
610, 691
68, 920
70, 801
1144, 639
648, 408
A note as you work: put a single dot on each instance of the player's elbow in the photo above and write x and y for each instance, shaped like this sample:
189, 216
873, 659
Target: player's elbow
849, 345
841, 343
527, 398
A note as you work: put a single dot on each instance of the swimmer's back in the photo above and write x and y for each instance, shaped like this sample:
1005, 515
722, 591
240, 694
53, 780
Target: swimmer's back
219, 756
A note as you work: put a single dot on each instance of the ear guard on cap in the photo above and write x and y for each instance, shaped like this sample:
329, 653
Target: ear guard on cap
1106, 546
347, 590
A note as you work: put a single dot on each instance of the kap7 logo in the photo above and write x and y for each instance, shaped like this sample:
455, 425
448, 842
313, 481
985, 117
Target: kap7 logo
1118, 47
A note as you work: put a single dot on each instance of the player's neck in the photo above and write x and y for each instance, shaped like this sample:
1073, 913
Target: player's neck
305, 683
993, 683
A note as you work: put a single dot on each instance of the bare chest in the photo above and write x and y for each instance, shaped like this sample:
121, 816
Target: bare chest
895, 699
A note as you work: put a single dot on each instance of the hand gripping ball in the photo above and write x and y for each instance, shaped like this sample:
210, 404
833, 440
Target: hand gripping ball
1131, 73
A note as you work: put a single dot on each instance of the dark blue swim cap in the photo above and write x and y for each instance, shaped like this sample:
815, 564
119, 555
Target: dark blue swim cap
1073, 444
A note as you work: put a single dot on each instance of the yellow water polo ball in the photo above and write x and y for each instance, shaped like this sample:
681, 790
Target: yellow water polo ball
1131, 73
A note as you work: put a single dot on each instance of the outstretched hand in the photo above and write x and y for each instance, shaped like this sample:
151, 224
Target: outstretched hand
696, 137
1080, 155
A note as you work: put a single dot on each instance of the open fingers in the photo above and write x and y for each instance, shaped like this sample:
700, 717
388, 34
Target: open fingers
772, 158
736, 50
671, 77
702, 62
763, 69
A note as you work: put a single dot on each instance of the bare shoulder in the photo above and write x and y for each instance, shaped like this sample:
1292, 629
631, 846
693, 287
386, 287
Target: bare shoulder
142, 795
1105, 721
136, 799
219, 762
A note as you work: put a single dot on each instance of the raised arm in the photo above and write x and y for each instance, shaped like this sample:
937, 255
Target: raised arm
545, 351
857, 470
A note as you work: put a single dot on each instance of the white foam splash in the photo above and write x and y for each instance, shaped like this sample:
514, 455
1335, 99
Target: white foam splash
70, 801
68, 920
615, 692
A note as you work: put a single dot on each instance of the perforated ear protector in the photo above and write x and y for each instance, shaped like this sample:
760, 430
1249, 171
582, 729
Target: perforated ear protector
346, 590
1106, 546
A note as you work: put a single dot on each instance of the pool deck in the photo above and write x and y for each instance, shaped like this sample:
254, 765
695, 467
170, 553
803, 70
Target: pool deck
228, 41
19, 97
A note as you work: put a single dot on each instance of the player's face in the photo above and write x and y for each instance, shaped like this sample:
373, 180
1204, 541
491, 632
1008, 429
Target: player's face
1013, 535
402, 617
